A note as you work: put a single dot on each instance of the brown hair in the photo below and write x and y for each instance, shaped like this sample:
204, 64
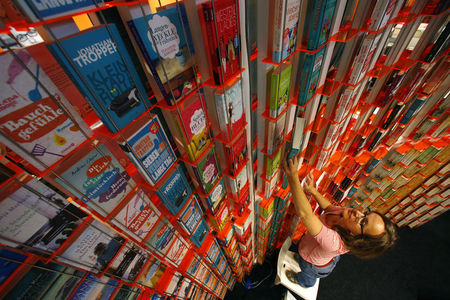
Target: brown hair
366, 246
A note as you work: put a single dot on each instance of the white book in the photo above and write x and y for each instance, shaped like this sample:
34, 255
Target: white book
278, 26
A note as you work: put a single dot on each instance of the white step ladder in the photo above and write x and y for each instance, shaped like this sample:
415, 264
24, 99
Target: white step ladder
286, 261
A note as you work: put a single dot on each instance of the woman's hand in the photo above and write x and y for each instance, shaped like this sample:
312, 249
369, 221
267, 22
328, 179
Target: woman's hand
310, 185
290, 168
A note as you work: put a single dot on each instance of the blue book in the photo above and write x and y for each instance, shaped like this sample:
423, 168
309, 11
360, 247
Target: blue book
113, 87
52, 9
316, 22
170, 61
150, 150
310, 77
412, 111
326, 22
9, 262
94, 288
200, 233
175, 191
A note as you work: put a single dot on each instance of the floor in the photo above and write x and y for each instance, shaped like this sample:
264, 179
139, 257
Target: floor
418, 268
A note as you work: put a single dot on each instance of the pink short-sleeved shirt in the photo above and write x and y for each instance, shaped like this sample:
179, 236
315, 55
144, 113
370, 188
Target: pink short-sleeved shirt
320, 249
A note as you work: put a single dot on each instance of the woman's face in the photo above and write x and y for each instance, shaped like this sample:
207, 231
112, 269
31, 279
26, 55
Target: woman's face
361, 222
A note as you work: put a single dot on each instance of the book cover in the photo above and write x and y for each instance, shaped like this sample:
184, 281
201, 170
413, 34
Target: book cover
230, 109
174, 284
175, 191
151, 273
239, 182
36, 10
110, 82
207, 171
9, 262
222, 38
191, 216
162, 237
35, 282
94, 249
97, 179
310, 79
275, 134
280, 80
200, 233
317, 9
236, 153
128, 263
290, 28
272, 164
297, 139
138, 216
177, 251
30, 118
192, 124
216, 196
170, 61
326, 22
127, 293
35, 218
150, 150
95, 288
64, 284
184, 289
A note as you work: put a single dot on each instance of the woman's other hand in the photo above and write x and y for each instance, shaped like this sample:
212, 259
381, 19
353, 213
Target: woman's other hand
310, 185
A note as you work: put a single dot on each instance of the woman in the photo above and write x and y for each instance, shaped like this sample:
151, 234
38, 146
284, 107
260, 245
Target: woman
338, 231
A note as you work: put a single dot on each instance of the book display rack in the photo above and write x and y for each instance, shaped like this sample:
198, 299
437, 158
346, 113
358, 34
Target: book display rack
141, 141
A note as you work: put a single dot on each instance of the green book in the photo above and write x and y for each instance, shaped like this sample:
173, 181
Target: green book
280, 79
272, 164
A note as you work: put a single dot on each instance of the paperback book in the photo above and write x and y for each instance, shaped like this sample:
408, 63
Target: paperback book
215, 197
310, 71
221, 33
94, 288
151, 273
175, 191
150, 150
238, 183
128, 263
37, 128
177, 251
275, 133
9, 262
138, 216
236, 153
280, 80
96, 178
109, 80
162, 237
191, 216
207, 171
200, 233
230, 109
94, 249
171, 60
285, 28
64, 284
36, 219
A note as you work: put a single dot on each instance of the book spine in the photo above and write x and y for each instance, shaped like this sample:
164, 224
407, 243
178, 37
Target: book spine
274, 92
280, 13
343, 104
377, 14
318, 12
360, 59
388, 13
271, 137
221, 108
314, 80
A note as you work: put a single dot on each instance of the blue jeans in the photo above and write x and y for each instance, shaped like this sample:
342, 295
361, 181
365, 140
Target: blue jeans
309, 274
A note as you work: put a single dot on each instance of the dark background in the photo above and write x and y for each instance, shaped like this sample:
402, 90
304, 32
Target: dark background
418, 268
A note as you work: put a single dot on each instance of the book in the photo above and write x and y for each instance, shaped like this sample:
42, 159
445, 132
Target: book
35, 282
128, 263
64, 284
93, 249
138, 216
238, 183
127, 293
207, 171
108, 81
230, 109
293, 148
364, 57
162, 237
95, 177
175, 191
151, 273
236, 153
280, 80
215, 197
9, 262
317, 9
285, 29
177, 251
327, 20
272, 164
171, 61
191, 123
220, 27
310, 75
150, 150
35, 218
37, 10
275, 133
200, 233
37, 127
190, 216
94, 288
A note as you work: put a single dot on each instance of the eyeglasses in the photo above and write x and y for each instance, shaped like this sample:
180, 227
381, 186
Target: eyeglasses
363, 220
